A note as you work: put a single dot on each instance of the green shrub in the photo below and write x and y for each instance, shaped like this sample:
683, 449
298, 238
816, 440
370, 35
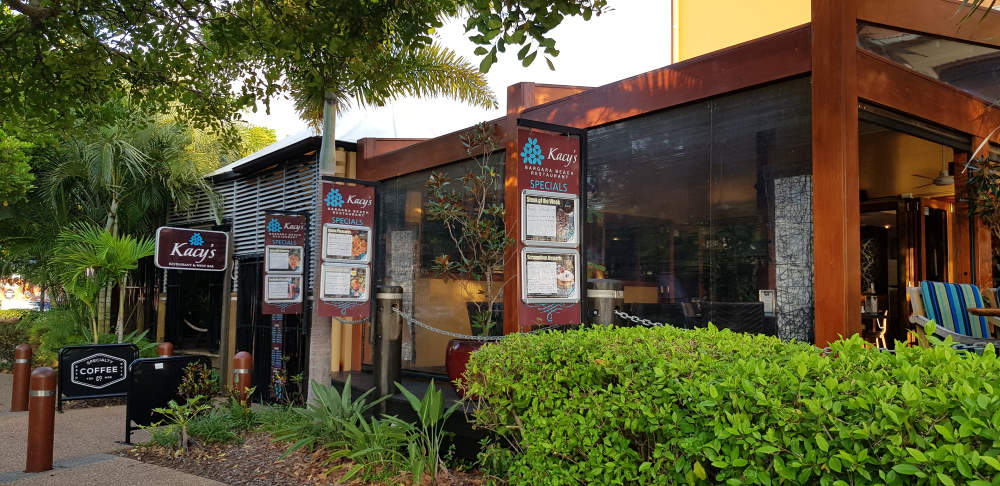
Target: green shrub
199, 379
216, 427
668, 406
13, 315
10, 337
52, 330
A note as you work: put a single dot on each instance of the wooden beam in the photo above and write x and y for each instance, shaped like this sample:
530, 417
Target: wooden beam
836, 207
891, 85
767, 59
938, 17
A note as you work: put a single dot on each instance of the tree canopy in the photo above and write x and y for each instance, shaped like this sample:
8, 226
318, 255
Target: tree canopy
190, 53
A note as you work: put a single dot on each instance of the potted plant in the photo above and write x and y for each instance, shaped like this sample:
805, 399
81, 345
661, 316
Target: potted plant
473, 218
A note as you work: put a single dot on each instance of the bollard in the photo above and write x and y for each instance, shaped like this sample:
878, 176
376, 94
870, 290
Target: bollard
388, 339
22, 372
41, 419
606, 296
242, 367
165, 349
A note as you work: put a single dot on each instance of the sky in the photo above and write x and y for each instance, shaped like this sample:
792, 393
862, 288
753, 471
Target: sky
632, 38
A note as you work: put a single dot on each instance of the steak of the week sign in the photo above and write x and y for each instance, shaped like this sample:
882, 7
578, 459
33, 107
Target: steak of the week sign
284, 245
548, 176
347, 225
188, 249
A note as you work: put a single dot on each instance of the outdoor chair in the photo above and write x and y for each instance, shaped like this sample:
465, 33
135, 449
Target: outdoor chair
947, 305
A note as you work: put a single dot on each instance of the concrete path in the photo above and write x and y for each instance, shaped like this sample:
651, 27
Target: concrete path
86, 441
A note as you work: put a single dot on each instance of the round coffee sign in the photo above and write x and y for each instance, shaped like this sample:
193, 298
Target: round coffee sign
98, 370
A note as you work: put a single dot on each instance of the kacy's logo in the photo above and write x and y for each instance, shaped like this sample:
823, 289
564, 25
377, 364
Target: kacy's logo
196, 240
532, 152
273, 226
334, 199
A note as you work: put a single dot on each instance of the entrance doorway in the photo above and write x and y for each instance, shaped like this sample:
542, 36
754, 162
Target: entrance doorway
194, 311
907, 221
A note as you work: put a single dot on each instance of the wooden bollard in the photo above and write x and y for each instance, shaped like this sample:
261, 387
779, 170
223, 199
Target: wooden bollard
242, 367
41, 419
165, 348
22, 372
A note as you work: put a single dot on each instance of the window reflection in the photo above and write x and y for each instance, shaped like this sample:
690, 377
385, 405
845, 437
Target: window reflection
972, 68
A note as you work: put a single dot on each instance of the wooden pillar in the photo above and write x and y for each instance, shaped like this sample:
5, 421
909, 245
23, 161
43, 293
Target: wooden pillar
225, 322
512, 199
836, 207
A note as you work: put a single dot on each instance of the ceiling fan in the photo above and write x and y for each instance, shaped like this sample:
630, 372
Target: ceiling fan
944, 178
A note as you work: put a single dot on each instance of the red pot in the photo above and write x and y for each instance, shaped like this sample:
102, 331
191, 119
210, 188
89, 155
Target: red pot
456, 357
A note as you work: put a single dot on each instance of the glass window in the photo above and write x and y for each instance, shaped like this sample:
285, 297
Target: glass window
969, 67
699, 208
411, 243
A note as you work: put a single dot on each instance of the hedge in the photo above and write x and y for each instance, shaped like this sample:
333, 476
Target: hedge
670, 406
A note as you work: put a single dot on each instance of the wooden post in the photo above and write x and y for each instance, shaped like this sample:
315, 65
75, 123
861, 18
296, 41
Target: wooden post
224, 320
836, 207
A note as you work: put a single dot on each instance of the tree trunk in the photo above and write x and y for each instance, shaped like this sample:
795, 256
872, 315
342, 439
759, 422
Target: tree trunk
121, 310
320, 332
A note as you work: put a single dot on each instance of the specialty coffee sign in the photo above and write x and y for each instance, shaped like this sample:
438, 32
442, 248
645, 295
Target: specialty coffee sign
92, 371
188, 249
98, 371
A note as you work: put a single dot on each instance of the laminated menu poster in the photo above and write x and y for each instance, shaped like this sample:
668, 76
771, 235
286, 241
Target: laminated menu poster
284, 259
279, 289
549, 219
550, 275
344, 283
346, 243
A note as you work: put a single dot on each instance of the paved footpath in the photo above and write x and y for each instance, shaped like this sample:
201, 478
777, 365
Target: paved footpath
84, 451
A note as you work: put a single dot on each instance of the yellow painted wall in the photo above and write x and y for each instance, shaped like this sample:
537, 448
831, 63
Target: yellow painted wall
702, 26
889, 159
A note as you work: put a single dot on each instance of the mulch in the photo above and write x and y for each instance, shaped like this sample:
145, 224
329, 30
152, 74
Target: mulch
93, 402
256, 461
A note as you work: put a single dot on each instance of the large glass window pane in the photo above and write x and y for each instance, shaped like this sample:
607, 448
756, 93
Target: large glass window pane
411, 244
700, 208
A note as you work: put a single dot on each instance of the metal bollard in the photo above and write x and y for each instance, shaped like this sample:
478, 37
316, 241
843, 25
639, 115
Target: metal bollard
22, 372
606, 296
41, 420
388, 339
165, 348
242, 367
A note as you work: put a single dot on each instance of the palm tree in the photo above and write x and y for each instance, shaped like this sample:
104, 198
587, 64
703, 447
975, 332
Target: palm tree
92, 260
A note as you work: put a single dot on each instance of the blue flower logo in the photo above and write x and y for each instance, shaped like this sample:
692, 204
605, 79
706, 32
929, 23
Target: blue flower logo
273, 226
334, 199
196, 240
532, 152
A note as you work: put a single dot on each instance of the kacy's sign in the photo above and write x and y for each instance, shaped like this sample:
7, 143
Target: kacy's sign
348, 219
284, 262
187, 249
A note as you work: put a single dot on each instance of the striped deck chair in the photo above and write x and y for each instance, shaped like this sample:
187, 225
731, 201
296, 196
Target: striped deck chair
946, 304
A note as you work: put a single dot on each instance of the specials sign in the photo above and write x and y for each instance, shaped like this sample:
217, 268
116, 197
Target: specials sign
188, 249
284, 262
347, 220
548, 176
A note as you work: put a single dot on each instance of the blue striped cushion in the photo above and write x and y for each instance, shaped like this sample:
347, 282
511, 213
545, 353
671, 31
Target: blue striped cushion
948, 303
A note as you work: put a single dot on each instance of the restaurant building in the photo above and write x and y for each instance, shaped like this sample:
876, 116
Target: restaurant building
779, 181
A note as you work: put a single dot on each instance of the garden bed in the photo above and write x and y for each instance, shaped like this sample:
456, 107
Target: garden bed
257, 461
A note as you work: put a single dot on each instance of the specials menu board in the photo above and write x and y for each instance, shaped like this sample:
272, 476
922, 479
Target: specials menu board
548, 177
549, 219
348, 217
284, 262
550, 275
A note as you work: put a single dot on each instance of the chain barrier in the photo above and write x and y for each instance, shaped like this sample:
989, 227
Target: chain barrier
351, 323
409, 318
638, 320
